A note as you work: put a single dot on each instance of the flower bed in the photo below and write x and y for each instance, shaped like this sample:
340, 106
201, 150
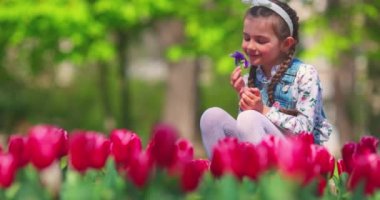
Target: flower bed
49, 163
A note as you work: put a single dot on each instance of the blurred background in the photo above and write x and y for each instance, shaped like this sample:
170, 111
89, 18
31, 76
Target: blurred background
105, 64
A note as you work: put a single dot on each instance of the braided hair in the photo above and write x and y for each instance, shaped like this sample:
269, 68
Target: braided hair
282, 31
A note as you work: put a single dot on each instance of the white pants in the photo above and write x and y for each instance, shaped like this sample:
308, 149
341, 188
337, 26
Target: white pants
250, 125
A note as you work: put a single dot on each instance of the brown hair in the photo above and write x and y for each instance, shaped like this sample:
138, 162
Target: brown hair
282, 31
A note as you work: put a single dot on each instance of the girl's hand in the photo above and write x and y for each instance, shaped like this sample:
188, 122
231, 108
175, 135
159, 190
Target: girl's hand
251, 100
236, 80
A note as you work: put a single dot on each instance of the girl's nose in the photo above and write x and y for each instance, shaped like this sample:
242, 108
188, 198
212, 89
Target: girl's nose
252, 45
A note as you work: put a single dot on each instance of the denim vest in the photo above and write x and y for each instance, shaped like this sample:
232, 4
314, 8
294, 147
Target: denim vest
283, 92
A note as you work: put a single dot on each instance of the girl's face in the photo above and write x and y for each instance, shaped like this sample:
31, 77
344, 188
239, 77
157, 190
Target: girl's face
261, 44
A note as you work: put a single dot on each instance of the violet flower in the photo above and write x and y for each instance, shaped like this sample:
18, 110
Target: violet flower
240, 59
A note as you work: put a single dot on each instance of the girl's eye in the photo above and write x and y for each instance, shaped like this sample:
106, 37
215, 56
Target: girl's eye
261, 40
246, 38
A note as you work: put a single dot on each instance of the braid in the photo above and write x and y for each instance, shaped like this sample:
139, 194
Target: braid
252, 76
277, 77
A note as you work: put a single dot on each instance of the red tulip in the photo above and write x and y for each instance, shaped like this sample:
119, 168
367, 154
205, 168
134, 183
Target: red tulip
140, 168
46, 143
100, 150
348, 153
365, 170
306, 137
125, 145
222, 159
295, 159
267, 151
8, 167
247, 161
17, 147
368, 144
192, 174
184, 153
324, 161
79, 151
322, 183
340, 166
163, 146
88, 149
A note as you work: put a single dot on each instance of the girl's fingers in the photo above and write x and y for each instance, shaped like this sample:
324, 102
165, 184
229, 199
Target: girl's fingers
242, 105
236, 74
255, 91
249, 94
246, 99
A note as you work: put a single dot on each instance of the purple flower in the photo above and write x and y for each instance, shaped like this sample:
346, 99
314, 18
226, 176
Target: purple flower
240, 59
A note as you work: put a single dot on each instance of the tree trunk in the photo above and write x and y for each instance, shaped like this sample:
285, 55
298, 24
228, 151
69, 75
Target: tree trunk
344, 77
180, 107
122, 46
343, 123
180, 101
109, 121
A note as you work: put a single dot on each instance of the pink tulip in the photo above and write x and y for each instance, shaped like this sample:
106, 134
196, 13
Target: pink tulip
162, 147
140, 168
192, 174
8, 167
125, 145
46, 143
17, 147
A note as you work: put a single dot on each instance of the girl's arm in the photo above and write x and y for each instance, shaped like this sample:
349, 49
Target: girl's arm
308, 103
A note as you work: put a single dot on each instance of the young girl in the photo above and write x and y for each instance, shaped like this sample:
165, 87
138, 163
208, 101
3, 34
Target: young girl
282, 96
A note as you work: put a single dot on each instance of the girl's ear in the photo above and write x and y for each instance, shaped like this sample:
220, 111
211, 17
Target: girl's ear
287, 44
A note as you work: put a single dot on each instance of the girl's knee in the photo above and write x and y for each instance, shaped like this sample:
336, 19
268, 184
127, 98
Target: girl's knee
212, 115
249, 116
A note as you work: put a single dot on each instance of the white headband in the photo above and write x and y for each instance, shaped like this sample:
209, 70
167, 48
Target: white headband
276, 8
